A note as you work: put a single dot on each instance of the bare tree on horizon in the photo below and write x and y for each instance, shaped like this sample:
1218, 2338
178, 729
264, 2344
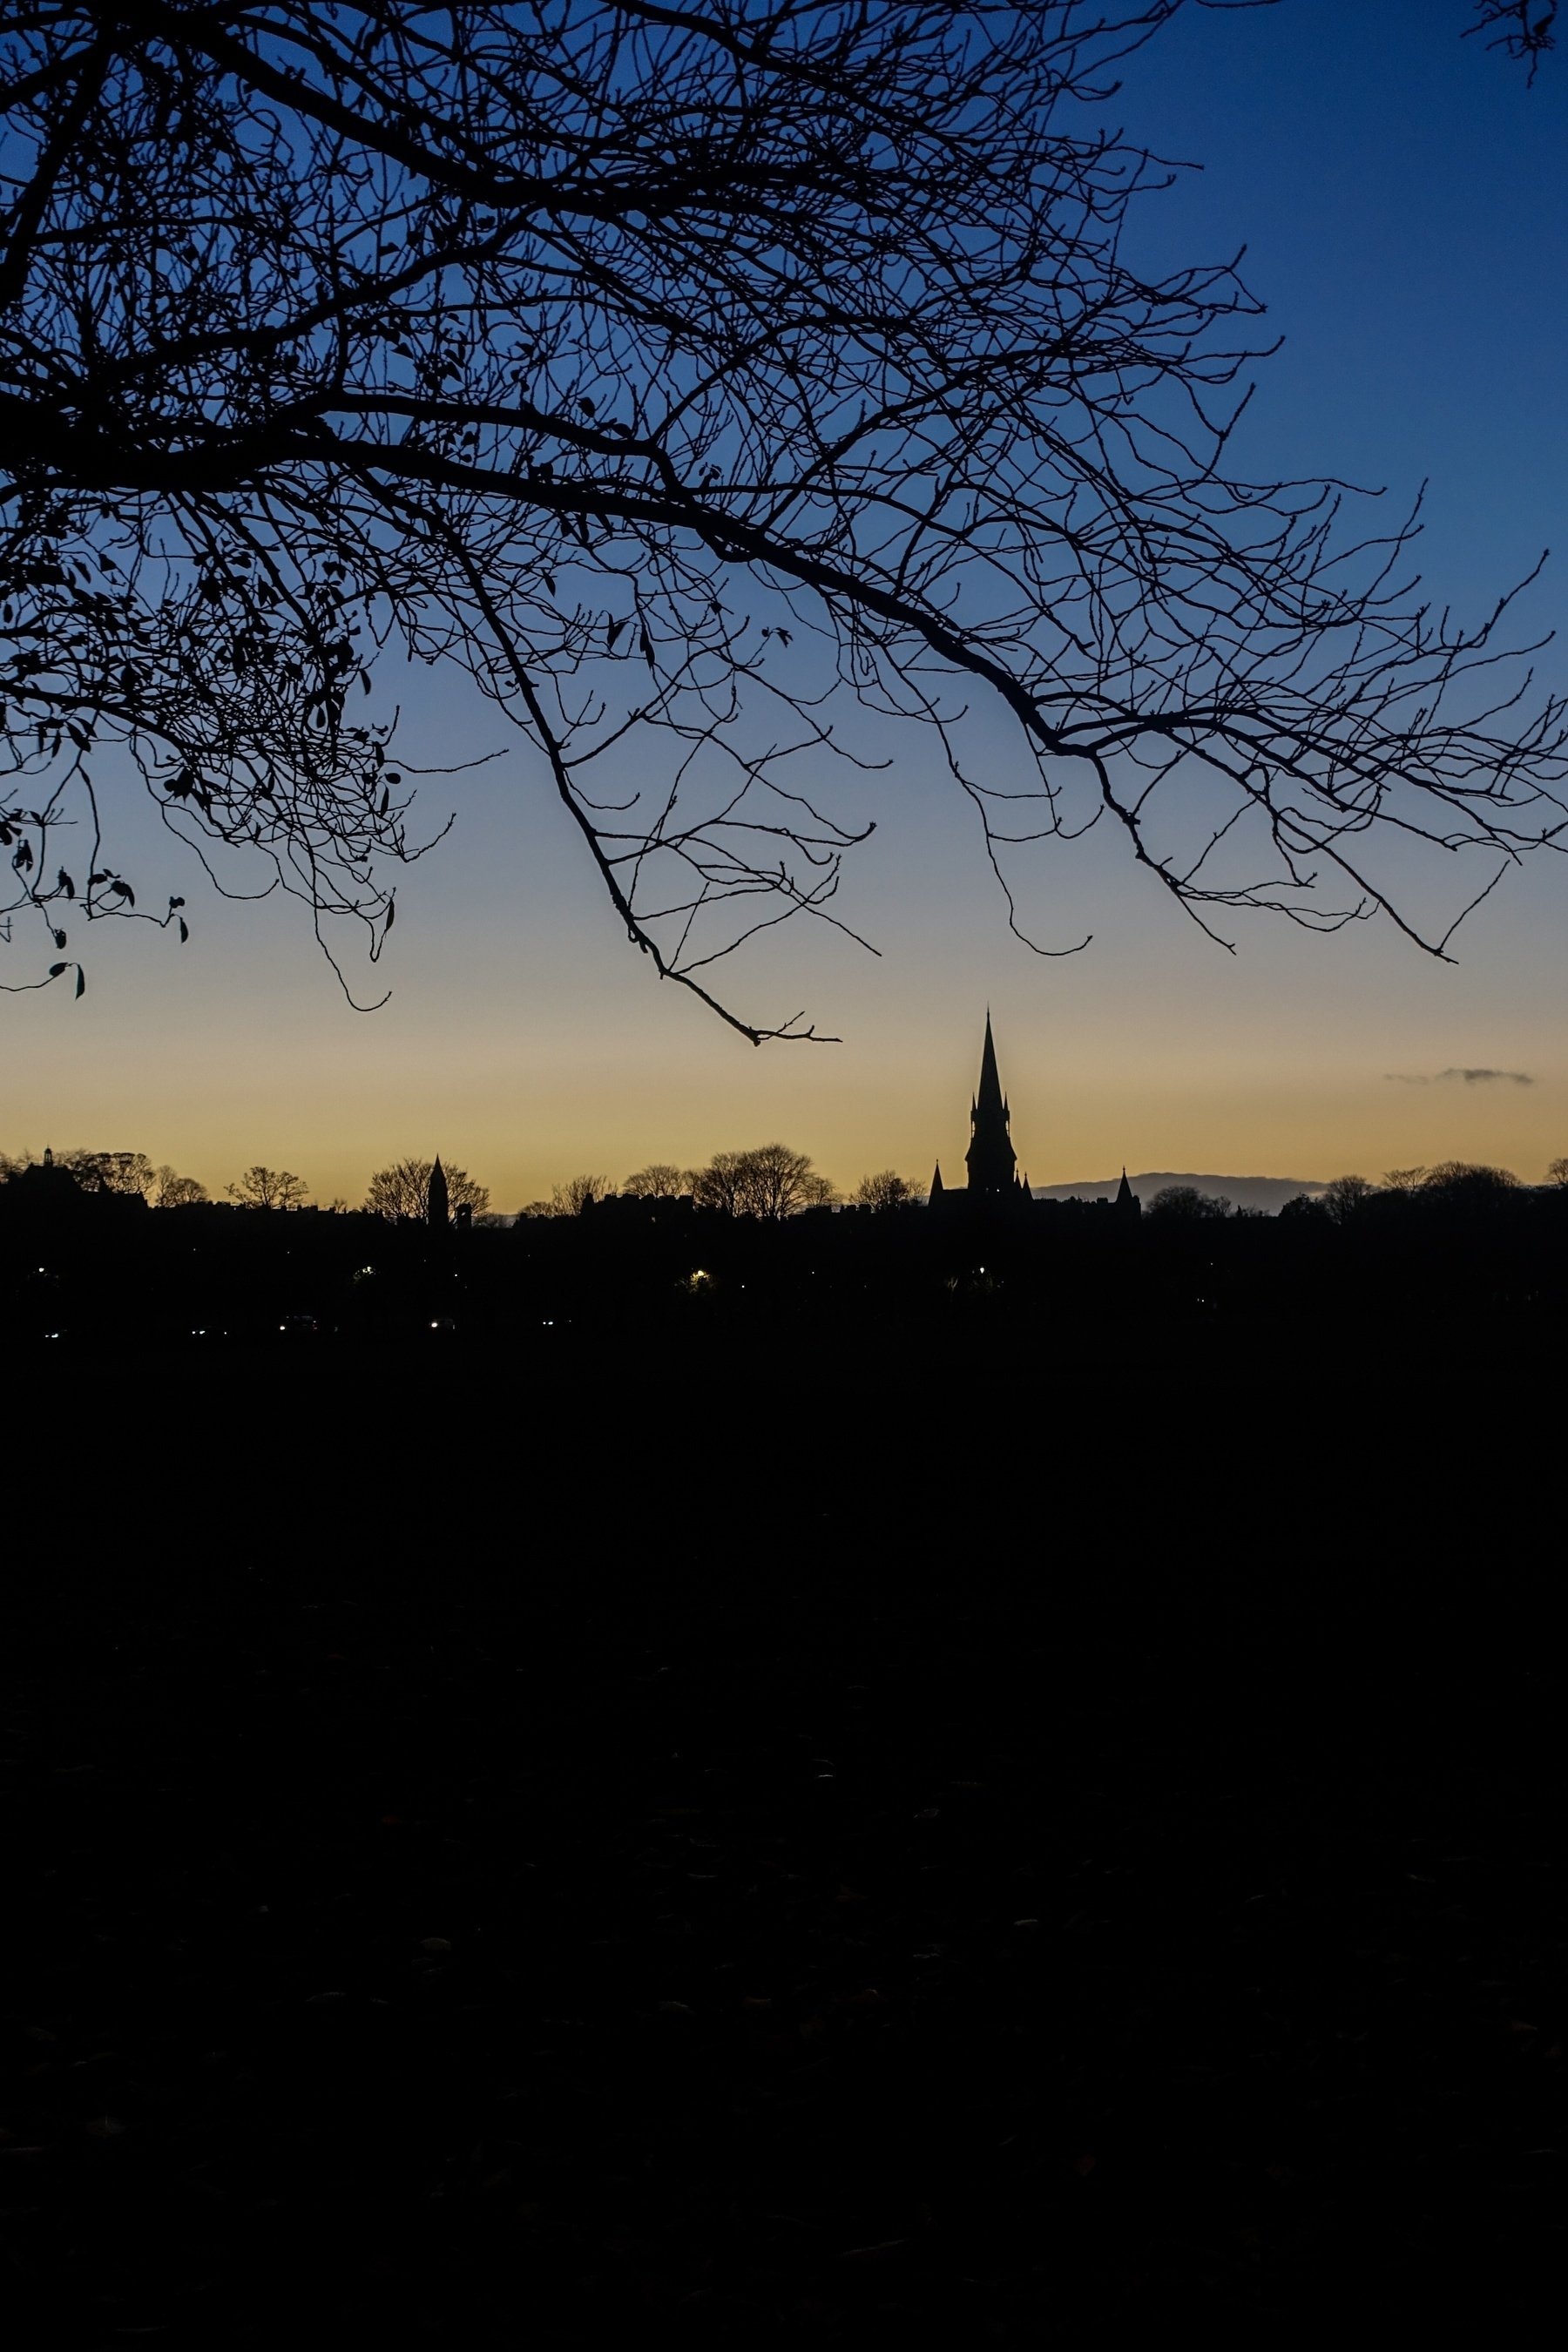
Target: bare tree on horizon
684, 377
769, 1181
661, 1180
570, 1199
887, 1189
403, 1190
268, 1188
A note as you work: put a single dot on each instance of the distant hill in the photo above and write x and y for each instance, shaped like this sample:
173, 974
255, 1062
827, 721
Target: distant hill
1270, 1192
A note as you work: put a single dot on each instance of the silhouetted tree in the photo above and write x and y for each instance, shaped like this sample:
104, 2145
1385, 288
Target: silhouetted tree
403, 1190
110, 1171
580, 1192
1185, 1205
1402, 1180
117, 1171
1470, 1181
668, 370
887, 1189
177, 1191
1557, 1172
769, 1180
660, 1180
1345, 1195
1305, 1208
268, 1188
570, 1200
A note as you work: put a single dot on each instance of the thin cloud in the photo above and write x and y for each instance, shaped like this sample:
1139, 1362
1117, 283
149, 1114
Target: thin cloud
1471, 1077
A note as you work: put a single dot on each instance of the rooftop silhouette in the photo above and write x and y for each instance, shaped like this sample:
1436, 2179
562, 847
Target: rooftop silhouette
991, 1160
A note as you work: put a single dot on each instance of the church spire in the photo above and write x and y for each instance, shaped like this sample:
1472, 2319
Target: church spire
989, 1103
990, 1159
437, 1198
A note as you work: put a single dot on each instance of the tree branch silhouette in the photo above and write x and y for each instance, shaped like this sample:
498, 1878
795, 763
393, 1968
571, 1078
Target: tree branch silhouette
1522, 29
531, 339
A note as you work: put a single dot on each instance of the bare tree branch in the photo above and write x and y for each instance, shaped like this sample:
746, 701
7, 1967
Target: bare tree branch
1522, 29
689, 377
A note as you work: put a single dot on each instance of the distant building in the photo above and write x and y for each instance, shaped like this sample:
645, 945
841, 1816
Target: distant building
992, 1163
437, 1198
47, 1189
991, 1160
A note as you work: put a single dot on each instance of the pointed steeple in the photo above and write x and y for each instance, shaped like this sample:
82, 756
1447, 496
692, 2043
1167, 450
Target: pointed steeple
437, 1197
1127, 1202
937, 1187
991, 1158
989, 1100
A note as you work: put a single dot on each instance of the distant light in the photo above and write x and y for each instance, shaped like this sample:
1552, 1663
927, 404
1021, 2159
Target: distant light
54, 1335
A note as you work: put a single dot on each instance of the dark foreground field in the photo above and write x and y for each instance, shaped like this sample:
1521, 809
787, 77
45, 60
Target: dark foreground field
798, 1844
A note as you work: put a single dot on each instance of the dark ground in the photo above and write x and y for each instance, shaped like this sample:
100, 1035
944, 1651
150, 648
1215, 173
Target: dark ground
791, 1845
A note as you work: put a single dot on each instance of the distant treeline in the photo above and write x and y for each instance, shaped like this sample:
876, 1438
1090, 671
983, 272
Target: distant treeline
87, 1264
401, 1190
769, 1181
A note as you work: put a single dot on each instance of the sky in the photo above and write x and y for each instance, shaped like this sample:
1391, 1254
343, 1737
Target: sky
1399, 195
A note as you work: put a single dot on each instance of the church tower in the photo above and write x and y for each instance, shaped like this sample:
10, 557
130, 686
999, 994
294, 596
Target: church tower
990, 1159
437, 1197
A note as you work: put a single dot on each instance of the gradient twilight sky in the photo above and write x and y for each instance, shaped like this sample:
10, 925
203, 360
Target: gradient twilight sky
1400, 195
